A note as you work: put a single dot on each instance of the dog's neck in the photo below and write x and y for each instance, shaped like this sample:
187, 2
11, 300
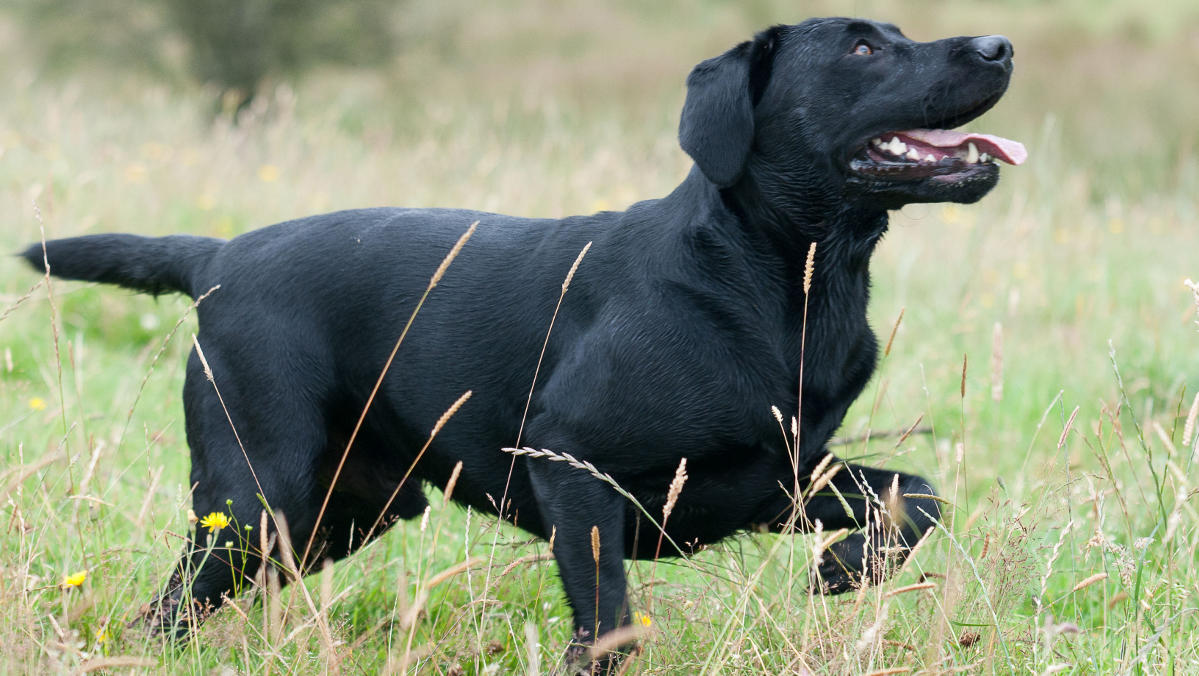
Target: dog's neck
785, 226
761, 253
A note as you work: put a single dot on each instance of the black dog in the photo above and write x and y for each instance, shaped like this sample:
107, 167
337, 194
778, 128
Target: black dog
684, 325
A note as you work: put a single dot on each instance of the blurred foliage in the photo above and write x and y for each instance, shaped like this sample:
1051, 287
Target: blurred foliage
234, 45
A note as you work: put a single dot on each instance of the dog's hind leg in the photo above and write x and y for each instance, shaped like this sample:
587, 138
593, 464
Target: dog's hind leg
367, 499
890, 511
255, 443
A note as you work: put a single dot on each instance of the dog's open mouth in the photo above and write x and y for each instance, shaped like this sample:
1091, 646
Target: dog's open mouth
937, 154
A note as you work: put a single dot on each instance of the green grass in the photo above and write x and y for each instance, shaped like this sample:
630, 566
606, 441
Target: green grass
1076, 261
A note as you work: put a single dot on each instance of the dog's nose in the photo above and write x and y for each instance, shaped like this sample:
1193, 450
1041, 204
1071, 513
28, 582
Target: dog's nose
992, 48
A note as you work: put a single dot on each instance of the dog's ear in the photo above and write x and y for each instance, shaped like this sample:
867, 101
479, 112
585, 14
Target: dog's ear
717, 125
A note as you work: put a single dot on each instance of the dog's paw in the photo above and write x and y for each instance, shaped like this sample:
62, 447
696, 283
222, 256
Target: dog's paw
851, 563
578, 659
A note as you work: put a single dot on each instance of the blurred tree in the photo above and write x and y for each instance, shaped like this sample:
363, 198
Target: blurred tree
236, 45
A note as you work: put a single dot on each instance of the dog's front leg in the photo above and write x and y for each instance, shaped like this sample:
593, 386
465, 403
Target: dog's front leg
893, 511
585, 518
890, 511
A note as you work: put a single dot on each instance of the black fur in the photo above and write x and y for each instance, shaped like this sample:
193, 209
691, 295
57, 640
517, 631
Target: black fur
682, 327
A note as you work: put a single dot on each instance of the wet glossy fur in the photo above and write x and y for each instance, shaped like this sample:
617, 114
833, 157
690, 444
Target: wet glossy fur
680, 331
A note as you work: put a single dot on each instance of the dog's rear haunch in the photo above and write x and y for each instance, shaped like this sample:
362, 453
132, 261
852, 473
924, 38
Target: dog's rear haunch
683, 326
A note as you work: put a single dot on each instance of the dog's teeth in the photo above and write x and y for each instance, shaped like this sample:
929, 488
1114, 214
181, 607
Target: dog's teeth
878, 142
913, 154
983, 157
897, 147
971, 153
930, 159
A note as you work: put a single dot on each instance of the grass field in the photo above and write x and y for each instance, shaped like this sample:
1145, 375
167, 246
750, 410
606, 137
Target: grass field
1047, 342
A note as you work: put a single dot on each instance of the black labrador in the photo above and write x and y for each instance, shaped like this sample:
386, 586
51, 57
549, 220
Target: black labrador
684, 325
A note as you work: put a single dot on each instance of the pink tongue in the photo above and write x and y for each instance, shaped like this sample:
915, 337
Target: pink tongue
1009, 151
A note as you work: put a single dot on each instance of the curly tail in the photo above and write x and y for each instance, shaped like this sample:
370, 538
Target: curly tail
149, 264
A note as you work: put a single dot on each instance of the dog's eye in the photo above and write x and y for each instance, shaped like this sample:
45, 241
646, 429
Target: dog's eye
862, 48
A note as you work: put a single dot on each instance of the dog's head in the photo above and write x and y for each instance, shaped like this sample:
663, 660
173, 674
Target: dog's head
847, 109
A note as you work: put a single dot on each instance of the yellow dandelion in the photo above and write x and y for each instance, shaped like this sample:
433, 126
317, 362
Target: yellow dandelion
268, 173
642, 619
214, 521
73, 580
102, 635
37, 404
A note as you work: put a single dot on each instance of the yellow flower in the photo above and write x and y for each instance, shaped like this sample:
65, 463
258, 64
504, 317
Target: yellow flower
102, 634
74, 580
37, 404
268, 173
214, 521
642, 619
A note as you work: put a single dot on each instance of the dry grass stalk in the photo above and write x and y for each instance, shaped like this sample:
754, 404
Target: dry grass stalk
449, 485
595, 544
570, 274
900, 435
832, 537
910, 560
911, 588
676, 487
162, 348
928, 496
554, 456
820, 466
672, 496
23, 472
822, 481
809, 267
454, 251
1164, 437
1089, 581
574, 267
894, 330
449, 413
20, 301
515, 563
965, 362
533, 650
293, 571
613, 640
409, 618
595, 554
116, 662
1057, 549
1061, 440
208, 375
1188, 430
